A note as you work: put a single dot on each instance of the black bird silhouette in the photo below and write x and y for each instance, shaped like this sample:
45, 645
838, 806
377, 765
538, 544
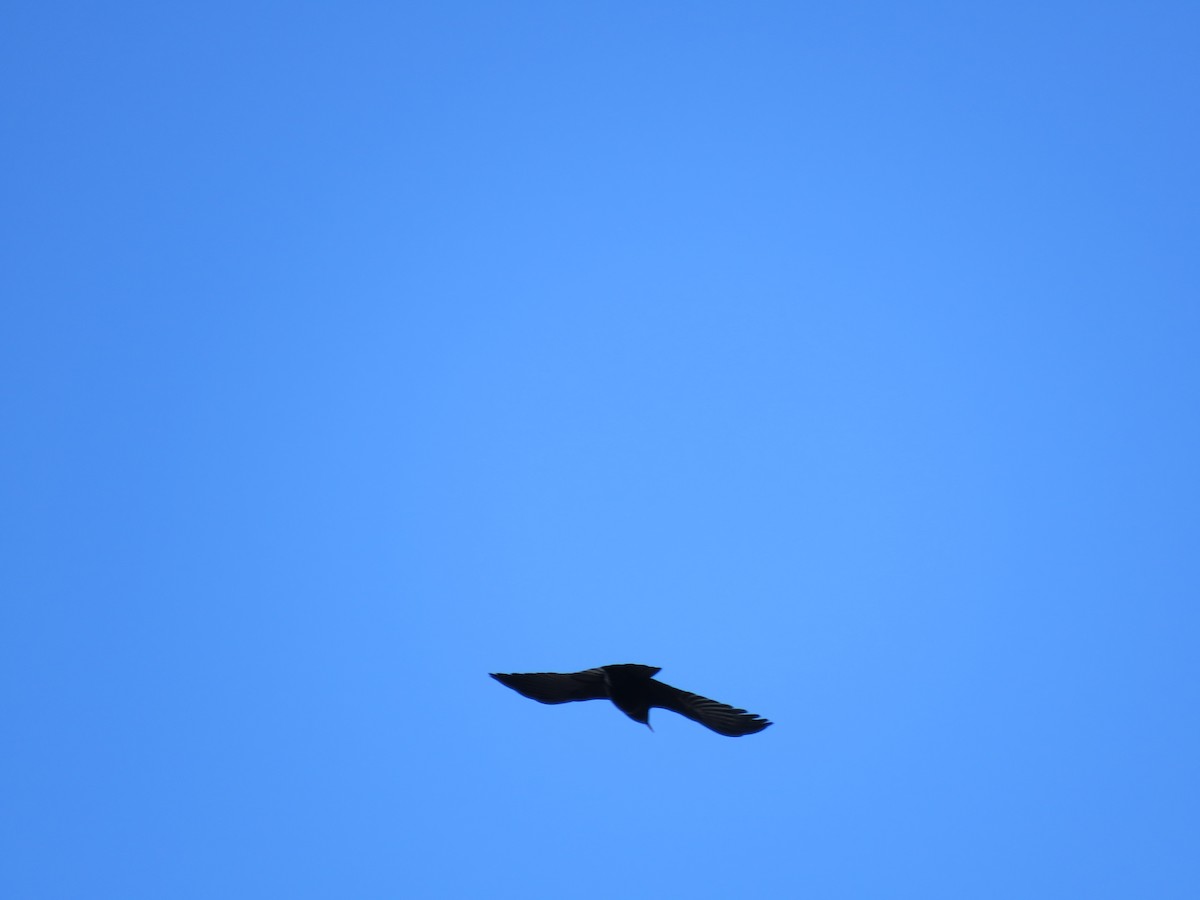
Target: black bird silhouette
634, 691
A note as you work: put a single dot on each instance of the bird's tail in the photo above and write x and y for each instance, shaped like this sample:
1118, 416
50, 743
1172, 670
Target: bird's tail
631, 671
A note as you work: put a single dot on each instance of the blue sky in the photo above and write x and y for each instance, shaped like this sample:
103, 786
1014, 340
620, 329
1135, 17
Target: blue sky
839, 358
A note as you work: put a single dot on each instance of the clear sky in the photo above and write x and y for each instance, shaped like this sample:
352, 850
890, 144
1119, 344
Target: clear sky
840, 358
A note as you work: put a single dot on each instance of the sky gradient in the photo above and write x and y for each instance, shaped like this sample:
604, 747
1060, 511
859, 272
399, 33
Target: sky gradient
839, 358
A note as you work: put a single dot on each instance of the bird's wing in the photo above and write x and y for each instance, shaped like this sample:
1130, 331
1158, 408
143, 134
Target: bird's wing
720, 717
553, 687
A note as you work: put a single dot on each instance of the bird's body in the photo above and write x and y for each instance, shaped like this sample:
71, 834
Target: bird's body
633, 689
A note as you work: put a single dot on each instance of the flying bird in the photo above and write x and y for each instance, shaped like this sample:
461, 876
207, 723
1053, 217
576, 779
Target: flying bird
634, 691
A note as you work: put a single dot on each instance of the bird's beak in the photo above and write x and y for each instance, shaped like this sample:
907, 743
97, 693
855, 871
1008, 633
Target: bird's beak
648, 725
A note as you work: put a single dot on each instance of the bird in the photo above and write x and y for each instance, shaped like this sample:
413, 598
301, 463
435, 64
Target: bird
634, 691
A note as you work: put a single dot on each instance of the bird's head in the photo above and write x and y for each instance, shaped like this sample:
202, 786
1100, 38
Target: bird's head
633, 701
640, 715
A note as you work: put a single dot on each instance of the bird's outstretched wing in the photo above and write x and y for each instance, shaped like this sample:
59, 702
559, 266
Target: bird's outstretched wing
720, 717
554, 687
